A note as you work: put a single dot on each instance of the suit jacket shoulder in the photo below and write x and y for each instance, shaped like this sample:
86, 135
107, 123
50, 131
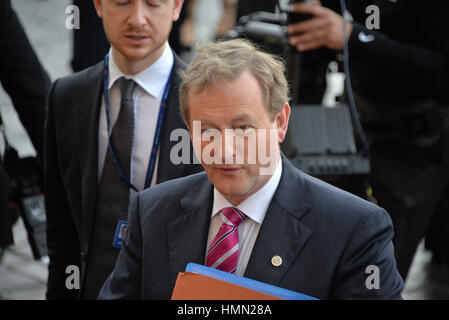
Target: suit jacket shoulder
346, 207
348, 236
170, 195
75, 85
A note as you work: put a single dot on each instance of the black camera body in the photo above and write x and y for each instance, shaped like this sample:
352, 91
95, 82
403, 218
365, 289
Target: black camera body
298, 17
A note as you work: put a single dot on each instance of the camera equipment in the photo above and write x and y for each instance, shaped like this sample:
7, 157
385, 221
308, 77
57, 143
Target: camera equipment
25, 180
264, 28
293, 57
320, 140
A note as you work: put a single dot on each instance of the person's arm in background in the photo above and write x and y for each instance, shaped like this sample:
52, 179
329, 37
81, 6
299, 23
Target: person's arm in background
62, 236
421, 71
22, 75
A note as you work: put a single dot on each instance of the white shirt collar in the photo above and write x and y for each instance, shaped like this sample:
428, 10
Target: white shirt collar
256, 205
150, 78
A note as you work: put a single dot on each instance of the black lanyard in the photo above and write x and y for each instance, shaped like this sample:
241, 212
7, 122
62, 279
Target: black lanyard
157, 135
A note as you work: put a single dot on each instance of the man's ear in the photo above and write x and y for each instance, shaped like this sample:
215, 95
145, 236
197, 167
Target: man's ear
282, 121
177, 9
99, 7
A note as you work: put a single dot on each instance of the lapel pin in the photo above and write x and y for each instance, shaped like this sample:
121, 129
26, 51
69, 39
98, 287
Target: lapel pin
276, 261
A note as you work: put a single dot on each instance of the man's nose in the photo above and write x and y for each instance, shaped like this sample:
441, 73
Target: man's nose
229, 146
137, 17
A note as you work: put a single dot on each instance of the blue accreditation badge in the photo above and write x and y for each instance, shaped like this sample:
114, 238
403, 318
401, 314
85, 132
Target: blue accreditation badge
120, 233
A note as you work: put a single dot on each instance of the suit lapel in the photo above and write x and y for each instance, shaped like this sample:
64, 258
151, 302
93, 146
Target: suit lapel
281, 234
87, 116
187, 234
172, 120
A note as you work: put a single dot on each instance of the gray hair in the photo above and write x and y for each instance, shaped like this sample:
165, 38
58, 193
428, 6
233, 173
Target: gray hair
227, 60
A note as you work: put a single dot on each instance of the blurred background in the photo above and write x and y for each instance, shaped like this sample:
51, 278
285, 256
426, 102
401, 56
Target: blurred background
22, 276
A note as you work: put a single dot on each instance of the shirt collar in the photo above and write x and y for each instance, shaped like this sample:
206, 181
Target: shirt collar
150, 78
256, 205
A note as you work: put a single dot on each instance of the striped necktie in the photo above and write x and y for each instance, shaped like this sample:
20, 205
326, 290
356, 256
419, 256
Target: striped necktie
223, 253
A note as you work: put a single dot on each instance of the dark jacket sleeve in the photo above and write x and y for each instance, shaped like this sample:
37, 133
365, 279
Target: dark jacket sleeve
22, 75
62, 236
367, 269
124, 283
417, 68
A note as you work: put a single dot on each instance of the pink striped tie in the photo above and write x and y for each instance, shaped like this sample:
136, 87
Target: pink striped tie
223, 253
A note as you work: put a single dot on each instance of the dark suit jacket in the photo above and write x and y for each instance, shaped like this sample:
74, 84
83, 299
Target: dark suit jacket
325, 236
71, 167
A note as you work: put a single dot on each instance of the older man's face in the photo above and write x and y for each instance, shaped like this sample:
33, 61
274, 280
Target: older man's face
236, 105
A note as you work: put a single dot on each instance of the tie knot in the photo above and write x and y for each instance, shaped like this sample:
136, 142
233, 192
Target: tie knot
233, 216
126, 87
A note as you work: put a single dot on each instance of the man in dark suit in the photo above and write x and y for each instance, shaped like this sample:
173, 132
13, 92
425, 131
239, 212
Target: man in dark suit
99, 136
255, 216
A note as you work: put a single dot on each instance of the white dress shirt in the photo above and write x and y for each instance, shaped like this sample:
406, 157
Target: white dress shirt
147, 99
255, 207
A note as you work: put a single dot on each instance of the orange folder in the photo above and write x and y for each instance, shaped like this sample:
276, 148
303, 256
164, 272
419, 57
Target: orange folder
194, 286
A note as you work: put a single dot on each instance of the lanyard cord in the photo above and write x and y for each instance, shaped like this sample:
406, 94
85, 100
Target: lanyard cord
157, 135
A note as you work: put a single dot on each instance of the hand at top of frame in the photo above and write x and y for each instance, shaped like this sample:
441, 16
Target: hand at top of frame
324, 29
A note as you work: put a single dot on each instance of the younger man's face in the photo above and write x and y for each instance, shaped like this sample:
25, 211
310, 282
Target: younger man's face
138, 29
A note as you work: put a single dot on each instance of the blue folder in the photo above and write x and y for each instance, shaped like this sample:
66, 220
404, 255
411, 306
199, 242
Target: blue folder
247, 283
